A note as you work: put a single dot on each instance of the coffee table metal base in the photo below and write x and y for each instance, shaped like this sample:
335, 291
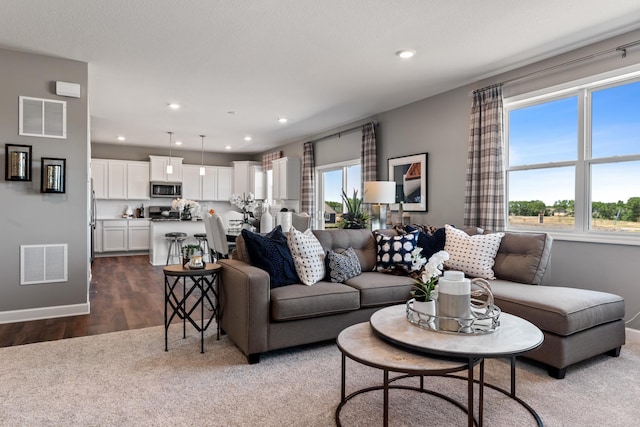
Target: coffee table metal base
361, 344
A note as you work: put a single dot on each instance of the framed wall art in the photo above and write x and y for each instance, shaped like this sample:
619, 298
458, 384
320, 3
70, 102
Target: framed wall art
410, 176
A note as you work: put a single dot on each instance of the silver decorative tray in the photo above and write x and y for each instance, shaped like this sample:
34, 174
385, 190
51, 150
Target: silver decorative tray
483, 321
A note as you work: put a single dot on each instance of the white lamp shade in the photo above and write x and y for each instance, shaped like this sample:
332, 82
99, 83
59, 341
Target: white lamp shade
379, 192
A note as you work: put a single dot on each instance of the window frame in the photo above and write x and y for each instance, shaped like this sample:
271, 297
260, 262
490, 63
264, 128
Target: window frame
319, 184
583, 89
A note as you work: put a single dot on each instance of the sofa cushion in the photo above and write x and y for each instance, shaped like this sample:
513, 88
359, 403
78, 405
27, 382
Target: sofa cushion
473, 255
308, 255
342, 266
302, 301
395, 249
523, 257
271, 254
378, 289
560, 310
361, 241
431, 240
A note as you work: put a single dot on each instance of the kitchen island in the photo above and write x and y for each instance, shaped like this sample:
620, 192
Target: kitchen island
158, 243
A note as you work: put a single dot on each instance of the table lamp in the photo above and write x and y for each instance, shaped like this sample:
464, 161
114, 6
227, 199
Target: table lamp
380, 193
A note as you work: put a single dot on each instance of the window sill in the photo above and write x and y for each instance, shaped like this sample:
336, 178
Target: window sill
592, 237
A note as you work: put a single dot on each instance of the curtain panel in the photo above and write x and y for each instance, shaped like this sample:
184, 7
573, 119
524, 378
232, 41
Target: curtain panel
484, 191
308, 181
368, 157
267, 160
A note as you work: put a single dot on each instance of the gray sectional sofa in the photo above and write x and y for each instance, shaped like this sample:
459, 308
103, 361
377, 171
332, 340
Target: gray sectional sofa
577, 324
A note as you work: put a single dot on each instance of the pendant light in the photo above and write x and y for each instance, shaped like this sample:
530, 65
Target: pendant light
202, 172
169, 165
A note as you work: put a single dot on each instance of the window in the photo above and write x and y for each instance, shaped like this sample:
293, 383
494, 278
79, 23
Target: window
331, 180
573, 160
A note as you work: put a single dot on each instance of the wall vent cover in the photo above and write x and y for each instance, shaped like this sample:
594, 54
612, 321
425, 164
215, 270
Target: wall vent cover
43, 264
43, 117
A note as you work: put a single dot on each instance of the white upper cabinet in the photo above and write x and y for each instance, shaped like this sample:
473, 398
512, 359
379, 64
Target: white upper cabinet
248, 177
214, 185
138, 180
287, 173
120, 179
158, 169
100, 176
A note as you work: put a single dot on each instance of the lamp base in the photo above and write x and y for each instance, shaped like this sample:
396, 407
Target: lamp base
379, 218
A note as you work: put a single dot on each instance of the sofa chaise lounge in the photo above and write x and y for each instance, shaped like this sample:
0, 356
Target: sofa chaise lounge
577, 324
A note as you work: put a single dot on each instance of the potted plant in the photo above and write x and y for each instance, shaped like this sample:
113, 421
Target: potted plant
425, 278
188, 251
355, 217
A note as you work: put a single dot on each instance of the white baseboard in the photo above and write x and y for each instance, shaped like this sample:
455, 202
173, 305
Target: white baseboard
41, 313
632, 336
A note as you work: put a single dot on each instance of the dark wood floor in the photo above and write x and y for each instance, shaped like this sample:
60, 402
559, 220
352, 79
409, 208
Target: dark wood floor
125, 293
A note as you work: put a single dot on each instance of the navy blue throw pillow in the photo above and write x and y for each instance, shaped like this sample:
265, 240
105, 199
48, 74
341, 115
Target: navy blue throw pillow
271, 253
430, 243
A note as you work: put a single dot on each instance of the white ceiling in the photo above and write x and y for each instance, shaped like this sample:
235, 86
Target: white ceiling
322, 64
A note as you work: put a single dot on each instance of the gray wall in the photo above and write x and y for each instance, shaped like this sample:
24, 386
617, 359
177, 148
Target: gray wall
140, 153
439, 126
29, 217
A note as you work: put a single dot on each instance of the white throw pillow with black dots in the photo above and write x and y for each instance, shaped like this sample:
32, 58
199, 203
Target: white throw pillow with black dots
473, 255
308, 256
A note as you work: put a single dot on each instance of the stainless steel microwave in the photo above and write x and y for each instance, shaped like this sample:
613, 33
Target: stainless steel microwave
166, 189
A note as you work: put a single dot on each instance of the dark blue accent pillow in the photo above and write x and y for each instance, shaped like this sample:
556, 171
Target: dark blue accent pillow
430, 243
271, 253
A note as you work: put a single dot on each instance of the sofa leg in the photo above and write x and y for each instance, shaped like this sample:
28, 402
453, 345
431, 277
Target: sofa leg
253, 358
557, 373
614, 352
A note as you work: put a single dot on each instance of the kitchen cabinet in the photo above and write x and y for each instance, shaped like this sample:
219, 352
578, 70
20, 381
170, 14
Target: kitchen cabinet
97, 237
117, 179
158, 169
122, 235
248, 177
287, 173
138, 235
120, 179
214, 185
114, 235
100, 176
138, 180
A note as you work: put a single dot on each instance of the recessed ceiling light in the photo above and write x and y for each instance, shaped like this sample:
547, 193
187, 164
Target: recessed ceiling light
227, 147
282, 120
121, 138
247, 138
178, 142
174, 106
405, 53
231, 112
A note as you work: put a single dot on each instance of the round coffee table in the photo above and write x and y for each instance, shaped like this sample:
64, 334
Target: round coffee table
389, 331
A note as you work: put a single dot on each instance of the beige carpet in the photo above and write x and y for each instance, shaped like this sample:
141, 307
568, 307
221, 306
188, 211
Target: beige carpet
127, 379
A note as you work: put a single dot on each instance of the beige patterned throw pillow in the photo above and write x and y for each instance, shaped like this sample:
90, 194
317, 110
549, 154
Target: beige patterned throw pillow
308, 256
473, 255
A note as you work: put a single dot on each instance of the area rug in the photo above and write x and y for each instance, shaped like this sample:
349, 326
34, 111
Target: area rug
127, 379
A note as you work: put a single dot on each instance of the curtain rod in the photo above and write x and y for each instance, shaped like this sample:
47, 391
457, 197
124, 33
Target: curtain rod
622, 48
338, 134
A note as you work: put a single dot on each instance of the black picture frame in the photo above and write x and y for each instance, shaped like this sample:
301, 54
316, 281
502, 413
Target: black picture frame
53, 175
17, 162
410, 176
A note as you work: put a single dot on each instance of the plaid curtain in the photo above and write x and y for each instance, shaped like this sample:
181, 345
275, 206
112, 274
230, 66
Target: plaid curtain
368, 164
484, 192
308, 164
267, 160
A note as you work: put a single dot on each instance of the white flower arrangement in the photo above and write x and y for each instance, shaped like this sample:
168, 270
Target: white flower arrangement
185, 206
428, 272
247, 202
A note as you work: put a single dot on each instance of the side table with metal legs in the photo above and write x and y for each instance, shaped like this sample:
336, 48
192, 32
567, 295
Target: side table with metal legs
176, 300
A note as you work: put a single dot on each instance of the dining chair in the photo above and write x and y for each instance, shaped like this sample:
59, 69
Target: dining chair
217, 236
301, 221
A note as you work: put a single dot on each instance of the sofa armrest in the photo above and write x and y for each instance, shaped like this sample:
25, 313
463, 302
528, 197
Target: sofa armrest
244, 305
